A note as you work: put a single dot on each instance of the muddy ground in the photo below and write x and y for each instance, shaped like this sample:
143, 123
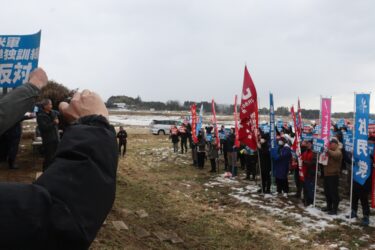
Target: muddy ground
165, 203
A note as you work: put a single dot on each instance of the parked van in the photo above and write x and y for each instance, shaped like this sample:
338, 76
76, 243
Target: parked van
158, 127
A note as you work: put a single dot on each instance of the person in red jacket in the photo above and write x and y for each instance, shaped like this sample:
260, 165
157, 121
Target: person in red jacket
309, 172
182, 132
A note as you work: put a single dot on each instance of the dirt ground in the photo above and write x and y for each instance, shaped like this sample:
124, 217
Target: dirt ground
166, 203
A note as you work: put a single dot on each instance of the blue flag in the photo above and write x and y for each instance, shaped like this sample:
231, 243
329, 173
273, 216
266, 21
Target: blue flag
272, 125
199, 123
19, 56
361, 156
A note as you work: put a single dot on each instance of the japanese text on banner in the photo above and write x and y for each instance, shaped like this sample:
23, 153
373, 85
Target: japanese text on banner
19, 55
361, 156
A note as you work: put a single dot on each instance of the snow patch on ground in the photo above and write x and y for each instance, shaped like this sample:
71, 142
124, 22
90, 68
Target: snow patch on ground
139, 120
311, 219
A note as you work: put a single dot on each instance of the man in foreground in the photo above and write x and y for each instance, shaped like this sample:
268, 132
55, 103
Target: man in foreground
66, 206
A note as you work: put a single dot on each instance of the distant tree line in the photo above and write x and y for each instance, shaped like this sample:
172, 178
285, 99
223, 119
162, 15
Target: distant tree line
173, 105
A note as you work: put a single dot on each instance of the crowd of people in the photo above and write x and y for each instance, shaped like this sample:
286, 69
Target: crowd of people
275, 166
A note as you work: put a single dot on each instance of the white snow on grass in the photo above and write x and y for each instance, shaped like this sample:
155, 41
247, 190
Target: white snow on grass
139, 120
310, 219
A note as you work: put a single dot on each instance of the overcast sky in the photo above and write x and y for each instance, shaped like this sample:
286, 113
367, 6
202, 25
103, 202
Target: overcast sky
196, 50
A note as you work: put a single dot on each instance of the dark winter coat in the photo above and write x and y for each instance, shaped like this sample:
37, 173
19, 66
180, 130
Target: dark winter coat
230, 143
122, 136
281, 162
48, 129
265, 157
15, 104
66, 206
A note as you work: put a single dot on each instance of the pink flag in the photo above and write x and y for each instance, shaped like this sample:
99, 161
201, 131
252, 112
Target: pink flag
325, 126
214, 121
237, 141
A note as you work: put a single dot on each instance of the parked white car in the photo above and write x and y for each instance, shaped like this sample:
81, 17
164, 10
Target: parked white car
163, 127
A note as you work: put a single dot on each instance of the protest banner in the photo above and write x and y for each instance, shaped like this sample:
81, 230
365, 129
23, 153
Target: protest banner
325, 126
214, 121
248, 129
318, 145
19, 55
237, 140
361, 158
194, 122
297, 144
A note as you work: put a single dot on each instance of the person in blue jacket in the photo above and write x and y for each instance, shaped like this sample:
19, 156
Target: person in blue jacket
281, 161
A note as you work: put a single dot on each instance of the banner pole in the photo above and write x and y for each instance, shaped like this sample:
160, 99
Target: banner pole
317, 156
351, 172
316, 178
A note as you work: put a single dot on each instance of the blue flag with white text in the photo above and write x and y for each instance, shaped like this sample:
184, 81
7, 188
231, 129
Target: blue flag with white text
19, 55
361, 156
272, 125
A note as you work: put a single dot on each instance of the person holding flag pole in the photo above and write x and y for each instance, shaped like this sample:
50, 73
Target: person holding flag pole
361, 162
216, 132
194, 155
317, 157
299, 177
248, 132
273, 142
236, 141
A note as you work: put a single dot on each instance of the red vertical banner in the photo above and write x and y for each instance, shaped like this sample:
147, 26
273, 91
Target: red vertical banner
214, 121
193, 110
297, 145
300, 124
237, 141
248, 113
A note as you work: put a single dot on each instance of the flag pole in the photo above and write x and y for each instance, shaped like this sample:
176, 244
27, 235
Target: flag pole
351, 172
317, 156
256, 138
274, 125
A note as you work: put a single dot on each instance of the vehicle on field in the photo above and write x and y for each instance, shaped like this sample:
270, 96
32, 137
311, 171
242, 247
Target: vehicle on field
163, 127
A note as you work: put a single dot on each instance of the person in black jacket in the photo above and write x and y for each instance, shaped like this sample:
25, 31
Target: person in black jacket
66, 206
361, 193
122, 140
231, 152
10, 141
265, 162
47, 123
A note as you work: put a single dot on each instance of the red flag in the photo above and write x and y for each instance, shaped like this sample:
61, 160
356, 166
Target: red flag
300, 124
237, 141
214, 121
297, 145
248, 113
194, 122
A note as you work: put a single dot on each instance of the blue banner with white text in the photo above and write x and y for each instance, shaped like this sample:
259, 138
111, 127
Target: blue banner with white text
362, 163
272, 124
19, 55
